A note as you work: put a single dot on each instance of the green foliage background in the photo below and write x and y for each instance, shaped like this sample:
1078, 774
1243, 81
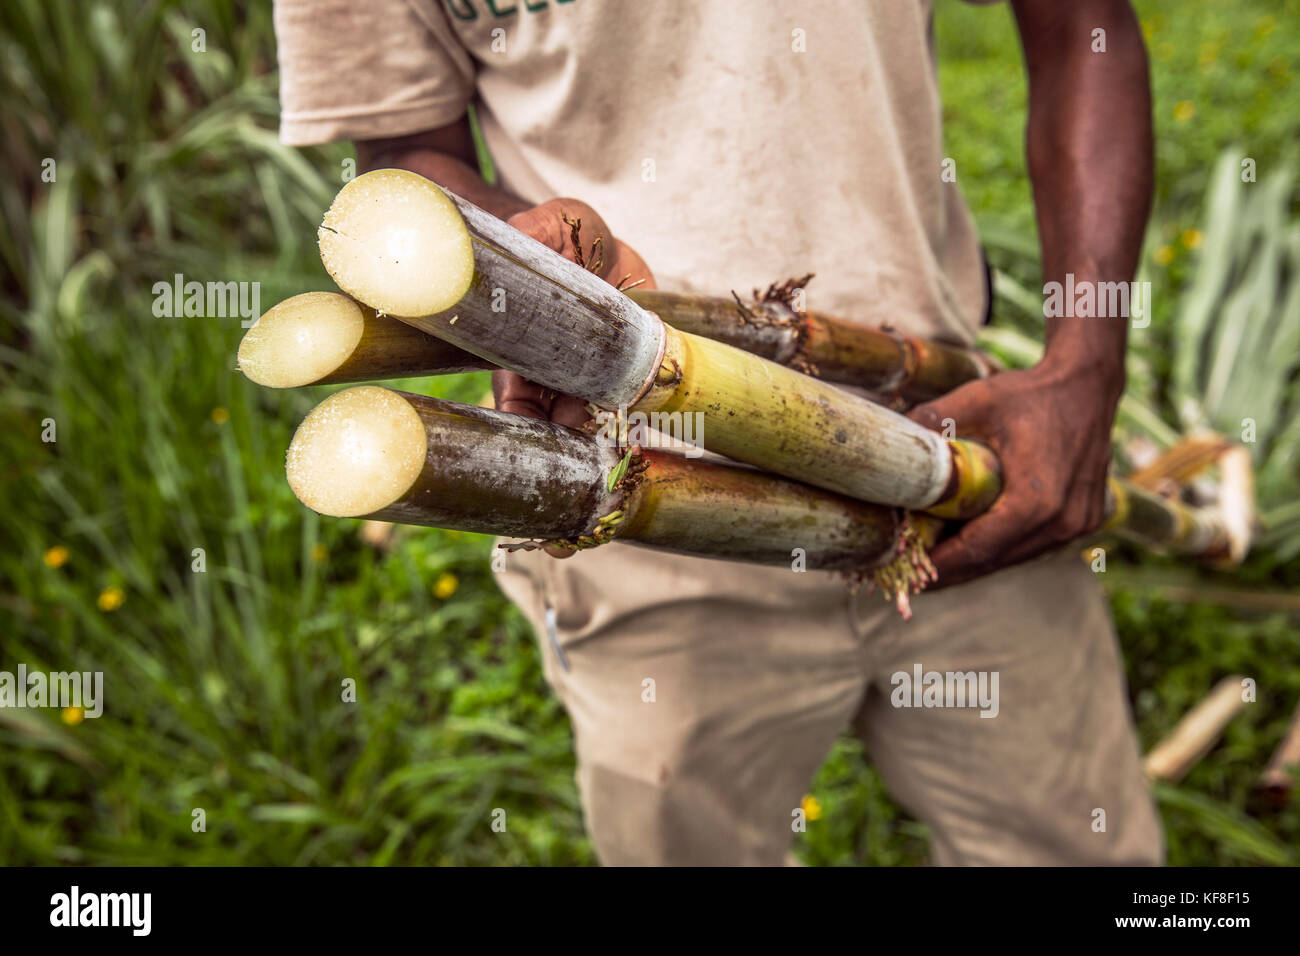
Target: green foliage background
223, 687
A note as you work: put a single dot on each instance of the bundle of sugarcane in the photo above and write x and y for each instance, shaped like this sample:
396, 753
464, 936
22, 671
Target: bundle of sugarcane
679, 504
398, 242
356, 455
404, 246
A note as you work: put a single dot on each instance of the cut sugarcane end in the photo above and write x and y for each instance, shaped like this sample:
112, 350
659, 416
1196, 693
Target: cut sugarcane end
356, 453
1236, 503
301, 340
395, 241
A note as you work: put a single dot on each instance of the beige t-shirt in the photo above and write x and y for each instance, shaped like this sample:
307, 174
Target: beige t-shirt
731, 144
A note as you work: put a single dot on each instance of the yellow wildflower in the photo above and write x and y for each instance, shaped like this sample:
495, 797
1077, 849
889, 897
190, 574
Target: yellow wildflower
812, 807
111, 598
56, 557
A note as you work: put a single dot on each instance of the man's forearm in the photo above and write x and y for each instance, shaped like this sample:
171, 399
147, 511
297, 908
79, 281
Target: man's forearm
1089, 147
445, 156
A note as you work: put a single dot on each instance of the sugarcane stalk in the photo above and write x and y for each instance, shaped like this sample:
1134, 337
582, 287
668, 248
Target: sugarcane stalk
379, 454
1220, 533
324, 338
527, 309
1146, 518
1277, 782
1181, 463
1194, 735
318, 330
831, 348
1236, 504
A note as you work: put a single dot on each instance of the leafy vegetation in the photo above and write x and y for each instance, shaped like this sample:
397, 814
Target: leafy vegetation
223, 686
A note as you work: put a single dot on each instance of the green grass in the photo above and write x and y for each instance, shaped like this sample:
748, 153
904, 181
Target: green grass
224, 687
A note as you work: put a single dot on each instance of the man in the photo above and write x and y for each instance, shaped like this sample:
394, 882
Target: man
733, 145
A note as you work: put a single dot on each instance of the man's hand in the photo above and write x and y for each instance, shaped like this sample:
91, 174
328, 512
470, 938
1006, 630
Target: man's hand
552, 224
1089, 152
1050, 427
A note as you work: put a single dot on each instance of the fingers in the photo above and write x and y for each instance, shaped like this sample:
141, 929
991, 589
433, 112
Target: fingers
617, 261
930, 414
957, 413
547, 224
1023, 524
514, 393
999, 538
569, 410
627, 264
544, 225
552, 224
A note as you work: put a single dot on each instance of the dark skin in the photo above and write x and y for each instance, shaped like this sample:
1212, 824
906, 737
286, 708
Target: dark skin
1090, 157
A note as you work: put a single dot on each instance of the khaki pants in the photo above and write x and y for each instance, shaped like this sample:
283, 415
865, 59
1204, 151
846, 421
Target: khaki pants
704, 695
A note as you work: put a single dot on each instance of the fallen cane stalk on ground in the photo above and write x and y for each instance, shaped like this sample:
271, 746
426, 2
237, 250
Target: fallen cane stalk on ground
1197, 732
1279, 777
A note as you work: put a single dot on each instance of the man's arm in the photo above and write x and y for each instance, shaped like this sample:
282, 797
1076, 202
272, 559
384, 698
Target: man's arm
447, 156
1089, 149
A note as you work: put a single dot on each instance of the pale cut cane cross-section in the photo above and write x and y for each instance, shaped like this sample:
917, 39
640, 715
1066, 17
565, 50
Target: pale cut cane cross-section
393, 240
357, 452
301, 340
